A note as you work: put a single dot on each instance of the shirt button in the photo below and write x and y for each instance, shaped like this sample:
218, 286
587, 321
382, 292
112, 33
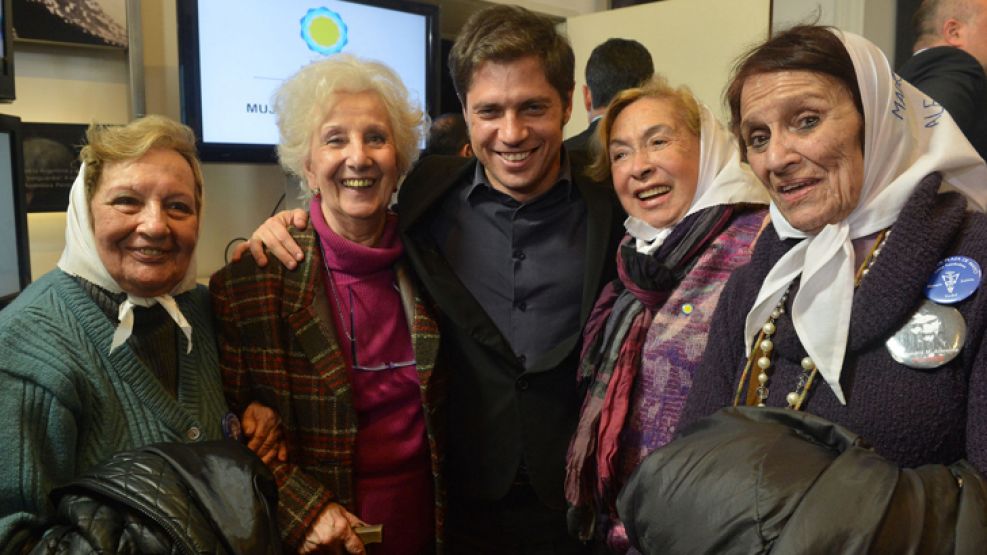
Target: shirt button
519, 254
522, 359
522, 306
193, 433
522, 384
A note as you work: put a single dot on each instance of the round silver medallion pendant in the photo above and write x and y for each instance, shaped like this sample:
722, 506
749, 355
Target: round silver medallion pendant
932, 337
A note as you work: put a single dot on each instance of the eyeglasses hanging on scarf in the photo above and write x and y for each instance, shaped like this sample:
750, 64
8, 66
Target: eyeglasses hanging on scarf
351, 335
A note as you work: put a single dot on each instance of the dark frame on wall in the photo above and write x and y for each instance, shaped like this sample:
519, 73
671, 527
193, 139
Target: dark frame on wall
7, 90
51, 162
11, 126
89, 23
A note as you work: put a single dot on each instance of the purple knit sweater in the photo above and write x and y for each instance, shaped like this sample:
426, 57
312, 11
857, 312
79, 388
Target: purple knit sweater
910, 416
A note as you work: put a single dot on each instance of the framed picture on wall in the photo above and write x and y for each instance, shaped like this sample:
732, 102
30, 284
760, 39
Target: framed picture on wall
51, 162
91, 23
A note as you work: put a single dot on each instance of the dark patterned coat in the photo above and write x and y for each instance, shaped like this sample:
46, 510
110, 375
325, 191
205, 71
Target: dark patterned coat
278, 345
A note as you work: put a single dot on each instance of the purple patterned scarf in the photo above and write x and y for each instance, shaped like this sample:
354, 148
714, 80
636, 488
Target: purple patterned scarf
611, 356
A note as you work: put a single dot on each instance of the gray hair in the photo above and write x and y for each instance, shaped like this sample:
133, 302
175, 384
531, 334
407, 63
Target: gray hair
302, 102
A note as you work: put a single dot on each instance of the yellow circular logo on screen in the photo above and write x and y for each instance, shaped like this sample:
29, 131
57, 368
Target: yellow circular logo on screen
324, 31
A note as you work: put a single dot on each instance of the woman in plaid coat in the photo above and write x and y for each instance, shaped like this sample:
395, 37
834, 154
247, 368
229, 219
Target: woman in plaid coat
342, 346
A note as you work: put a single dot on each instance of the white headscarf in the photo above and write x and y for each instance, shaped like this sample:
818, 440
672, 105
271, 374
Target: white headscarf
906, 137
722, 180
80, 258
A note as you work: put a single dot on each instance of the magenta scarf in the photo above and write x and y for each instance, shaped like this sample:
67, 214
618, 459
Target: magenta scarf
360, 287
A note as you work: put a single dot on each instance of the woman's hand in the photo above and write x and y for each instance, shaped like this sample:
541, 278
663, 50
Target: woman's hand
333, 532
273, 234
262, 428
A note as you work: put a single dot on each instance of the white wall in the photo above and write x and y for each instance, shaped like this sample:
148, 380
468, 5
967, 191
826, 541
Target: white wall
693, 42
874, 19
879, 25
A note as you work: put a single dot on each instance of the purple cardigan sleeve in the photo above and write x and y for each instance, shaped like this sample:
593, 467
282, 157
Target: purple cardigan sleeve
976, 433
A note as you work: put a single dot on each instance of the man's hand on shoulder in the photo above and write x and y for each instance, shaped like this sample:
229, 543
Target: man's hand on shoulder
274, 235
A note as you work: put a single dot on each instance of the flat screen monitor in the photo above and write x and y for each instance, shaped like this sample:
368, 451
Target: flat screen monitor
15, 263
6, 52
234, 54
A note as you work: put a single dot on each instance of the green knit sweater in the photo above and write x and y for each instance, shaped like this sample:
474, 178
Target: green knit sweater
66, 405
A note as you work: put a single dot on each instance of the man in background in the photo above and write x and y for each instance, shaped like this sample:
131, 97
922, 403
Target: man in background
949, 62
613, 66
449, 136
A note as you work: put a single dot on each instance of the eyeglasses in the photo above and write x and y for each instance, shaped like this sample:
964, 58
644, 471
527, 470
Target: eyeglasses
351, 336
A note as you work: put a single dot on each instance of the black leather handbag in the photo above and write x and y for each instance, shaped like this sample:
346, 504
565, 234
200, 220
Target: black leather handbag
211, 497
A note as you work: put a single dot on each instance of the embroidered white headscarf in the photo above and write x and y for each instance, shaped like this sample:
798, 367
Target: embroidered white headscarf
907, 136
723, 179
80, 258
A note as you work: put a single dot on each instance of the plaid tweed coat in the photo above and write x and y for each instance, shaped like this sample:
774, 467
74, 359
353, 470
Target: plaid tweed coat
278, 346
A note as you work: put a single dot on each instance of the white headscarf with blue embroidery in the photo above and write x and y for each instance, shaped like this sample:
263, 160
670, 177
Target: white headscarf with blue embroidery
907, 136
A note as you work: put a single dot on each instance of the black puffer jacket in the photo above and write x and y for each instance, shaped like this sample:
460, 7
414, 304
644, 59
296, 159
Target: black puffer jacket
770, 480
214, 497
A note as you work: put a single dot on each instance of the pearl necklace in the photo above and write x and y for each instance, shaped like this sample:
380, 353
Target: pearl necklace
763, 348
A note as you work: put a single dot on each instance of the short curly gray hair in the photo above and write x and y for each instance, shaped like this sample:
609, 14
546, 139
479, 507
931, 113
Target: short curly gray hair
302, 102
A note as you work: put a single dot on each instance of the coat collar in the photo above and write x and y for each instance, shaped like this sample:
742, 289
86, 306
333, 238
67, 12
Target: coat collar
309, 314
424, 189
427, 184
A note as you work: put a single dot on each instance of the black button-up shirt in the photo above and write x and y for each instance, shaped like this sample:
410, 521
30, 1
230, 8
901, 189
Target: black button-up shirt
523, 262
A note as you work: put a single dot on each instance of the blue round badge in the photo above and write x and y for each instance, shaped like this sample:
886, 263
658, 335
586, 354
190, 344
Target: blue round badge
955, 279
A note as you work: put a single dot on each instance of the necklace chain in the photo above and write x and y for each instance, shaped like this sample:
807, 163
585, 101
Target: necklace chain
764, 347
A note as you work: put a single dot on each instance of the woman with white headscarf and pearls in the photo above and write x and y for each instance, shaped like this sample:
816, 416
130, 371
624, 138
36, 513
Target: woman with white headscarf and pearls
115, 348
859, 321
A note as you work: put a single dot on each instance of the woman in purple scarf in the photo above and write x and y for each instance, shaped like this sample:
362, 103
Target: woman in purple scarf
693, 215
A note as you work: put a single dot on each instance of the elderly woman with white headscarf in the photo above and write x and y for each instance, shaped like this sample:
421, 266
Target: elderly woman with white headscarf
693, 214
828, 334
115, 348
